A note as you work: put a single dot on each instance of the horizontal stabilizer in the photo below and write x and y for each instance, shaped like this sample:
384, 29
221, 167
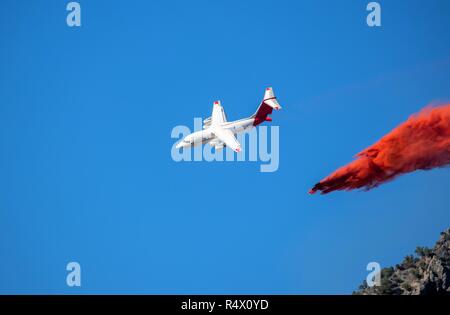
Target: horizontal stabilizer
267, 105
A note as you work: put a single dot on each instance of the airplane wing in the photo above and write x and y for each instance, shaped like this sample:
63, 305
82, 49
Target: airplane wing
227, 137
218, 114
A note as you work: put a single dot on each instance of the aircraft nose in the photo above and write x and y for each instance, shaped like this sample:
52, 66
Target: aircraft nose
183, 143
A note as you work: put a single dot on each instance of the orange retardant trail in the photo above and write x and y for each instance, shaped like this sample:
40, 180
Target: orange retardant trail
420, 143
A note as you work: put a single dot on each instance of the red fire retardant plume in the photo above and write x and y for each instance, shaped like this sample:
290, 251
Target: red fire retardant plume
420, 143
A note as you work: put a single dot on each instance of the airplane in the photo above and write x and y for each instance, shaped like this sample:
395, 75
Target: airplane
219, 132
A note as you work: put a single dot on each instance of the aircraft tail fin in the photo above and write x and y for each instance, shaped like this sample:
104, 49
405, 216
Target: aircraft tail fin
267, 105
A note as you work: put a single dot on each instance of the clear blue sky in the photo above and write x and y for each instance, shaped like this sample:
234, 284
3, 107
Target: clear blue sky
85, 120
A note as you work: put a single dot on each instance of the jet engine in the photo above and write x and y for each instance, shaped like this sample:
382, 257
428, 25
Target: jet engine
206, 123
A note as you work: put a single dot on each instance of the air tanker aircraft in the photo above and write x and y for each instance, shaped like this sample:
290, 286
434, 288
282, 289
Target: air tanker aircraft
219, 132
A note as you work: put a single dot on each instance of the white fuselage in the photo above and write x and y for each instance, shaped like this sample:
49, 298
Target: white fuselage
219, 132
207, 135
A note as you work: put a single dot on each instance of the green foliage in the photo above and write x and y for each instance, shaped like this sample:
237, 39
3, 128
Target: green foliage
387, 272
409, 274
423, 251
415, 272
406, 286
409, 262
363, 286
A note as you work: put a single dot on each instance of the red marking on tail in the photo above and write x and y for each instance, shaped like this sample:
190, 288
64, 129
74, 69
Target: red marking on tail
261, 114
